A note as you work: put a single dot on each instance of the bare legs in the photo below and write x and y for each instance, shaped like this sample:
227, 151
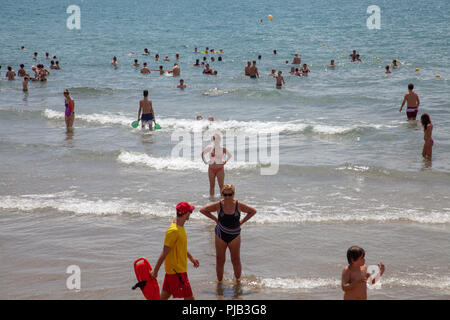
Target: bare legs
212, 179
235, 253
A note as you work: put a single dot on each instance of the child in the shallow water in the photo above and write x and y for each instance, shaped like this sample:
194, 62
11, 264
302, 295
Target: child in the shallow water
355, 275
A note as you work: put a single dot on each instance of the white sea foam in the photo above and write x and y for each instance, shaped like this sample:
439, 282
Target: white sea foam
176, 164
101, 118
298, 283
71, 201
316, 283
243, 127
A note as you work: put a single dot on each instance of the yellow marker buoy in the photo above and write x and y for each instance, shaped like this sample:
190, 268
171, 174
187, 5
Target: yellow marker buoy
417, 69
378, 59
438, 76
270, 17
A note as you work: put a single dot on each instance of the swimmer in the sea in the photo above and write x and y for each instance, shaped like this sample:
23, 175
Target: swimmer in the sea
207, 69
253, 71
297, 59
176, 70
387, 69
182, 85
145, 69
21, 72
146, 107
10, 74
413, 102
25, 81
136, 63
305, 70
114, 61
247, 68
160, 70
273, 73
280, 80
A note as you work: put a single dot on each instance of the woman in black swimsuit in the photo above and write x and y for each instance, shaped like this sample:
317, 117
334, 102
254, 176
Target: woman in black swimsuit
228, 229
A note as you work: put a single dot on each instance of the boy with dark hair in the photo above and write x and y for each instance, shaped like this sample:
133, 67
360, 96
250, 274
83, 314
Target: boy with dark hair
355, 275
146, 107
413, 103
21, 72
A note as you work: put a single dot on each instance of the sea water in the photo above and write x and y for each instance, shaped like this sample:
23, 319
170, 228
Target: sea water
350, 169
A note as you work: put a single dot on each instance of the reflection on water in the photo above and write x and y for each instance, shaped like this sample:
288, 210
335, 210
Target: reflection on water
69, 137
427, 164
412, 124
235, 292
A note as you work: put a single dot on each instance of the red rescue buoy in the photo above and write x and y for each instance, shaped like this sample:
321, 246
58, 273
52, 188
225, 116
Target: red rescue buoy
148, 286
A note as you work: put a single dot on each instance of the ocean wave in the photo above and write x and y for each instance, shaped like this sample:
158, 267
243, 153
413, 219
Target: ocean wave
299, 214
101, 118
296, 283
232, 126
71, 201
176, 164
91, 91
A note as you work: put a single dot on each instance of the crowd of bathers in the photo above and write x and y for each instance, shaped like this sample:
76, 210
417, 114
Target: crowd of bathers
40, 73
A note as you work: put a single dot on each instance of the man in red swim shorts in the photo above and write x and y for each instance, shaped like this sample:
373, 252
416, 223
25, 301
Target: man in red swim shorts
174, 256
413, 103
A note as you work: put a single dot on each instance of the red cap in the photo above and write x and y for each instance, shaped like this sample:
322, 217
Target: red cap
184, 207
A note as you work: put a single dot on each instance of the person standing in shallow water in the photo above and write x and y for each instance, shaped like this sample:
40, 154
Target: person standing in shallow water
69, 111
216, 163
427, 151
228, 229
412, 103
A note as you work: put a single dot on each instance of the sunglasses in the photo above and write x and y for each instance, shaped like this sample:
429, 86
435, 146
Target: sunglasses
227, 194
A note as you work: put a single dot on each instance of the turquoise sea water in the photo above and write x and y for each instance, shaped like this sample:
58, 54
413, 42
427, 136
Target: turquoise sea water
350, 165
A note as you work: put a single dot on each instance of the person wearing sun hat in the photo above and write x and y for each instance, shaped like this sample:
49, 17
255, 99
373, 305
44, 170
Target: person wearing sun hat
174, 255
